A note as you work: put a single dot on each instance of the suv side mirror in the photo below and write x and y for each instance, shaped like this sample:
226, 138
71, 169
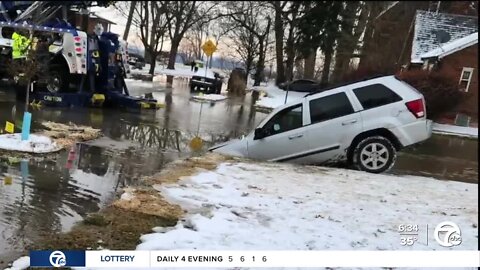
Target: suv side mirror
259, 134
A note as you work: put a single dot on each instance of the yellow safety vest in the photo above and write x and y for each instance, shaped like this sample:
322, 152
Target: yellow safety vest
19, 46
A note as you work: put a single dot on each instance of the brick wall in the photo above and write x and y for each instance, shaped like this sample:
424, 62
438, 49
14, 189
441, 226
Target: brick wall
454, 64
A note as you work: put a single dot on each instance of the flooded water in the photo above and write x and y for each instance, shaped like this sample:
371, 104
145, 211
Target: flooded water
442, 157
51, 194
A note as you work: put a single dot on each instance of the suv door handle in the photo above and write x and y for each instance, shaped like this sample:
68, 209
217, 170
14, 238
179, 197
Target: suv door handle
349, 122
295, 136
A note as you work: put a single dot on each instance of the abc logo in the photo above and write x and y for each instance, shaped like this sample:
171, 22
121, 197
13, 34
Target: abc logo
58, 259
448, 234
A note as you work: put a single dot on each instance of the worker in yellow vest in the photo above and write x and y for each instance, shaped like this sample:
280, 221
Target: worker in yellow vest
19, 46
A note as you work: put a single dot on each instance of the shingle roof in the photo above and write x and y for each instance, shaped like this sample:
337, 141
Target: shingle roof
452, 46
394, 3
427, 24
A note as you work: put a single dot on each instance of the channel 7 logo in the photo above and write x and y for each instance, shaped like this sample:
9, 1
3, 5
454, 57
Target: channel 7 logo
448, 234
58, 259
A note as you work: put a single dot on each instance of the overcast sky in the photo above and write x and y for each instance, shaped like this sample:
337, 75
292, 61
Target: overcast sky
112, 14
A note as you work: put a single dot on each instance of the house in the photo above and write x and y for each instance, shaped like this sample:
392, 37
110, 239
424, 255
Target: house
449, 43
422, 35
388, 45
76, 19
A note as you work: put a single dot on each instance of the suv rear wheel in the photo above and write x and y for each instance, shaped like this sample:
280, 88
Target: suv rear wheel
374, 154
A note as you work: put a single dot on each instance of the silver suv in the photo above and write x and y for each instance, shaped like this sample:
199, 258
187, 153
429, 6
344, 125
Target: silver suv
364, 123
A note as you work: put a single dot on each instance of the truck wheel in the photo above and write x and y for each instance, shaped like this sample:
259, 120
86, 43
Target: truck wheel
57, 80
374, 154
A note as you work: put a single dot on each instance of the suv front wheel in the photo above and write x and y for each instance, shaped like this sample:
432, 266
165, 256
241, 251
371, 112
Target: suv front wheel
374, 154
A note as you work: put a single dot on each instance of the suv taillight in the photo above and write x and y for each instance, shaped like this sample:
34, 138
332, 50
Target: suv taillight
416, 107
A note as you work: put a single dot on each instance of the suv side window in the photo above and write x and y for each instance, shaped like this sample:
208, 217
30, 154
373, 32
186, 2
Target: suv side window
375, 95
329, 107
285, 120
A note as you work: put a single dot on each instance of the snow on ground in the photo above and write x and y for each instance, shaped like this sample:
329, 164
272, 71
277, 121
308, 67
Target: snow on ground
186, 72
274, 206
36, 143
180, 71
210, 97
20, 263
143, 71
138, 83
275, 96
455, 130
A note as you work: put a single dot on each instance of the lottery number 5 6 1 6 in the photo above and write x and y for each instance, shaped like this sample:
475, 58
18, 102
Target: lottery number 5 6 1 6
242, 258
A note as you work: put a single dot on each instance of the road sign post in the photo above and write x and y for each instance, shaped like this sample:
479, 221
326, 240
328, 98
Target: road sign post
208, 48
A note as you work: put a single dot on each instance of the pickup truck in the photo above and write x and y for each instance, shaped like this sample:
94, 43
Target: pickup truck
206, 84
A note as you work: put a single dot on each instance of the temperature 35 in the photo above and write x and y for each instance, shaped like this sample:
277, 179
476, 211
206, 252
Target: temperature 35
408, 234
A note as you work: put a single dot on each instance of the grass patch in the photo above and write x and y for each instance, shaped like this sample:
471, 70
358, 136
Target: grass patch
112, 228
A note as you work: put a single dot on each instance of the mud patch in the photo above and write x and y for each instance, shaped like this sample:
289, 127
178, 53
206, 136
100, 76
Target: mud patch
148, 202
67, 135
190, 166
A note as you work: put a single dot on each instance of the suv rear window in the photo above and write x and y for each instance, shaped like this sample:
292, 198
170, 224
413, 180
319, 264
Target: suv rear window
329, 107
375, 95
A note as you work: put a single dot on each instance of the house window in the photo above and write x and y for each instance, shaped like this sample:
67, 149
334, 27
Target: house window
465, 78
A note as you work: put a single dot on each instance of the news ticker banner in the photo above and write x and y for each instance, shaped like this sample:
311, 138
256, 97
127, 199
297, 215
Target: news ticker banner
260, 258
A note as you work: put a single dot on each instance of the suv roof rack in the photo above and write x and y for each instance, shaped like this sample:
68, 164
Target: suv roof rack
347, 83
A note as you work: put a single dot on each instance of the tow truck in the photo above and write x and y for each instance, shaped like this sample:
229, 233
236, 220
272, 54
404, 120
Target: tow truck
71, 55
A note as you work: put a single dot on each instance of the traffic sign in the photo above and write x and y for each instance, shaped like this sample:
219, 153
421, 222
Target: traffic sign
9, 127
209, 47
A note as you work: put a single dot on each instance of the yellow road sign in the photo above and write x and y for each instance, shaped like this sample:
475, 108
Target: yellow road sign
9, 127
209, 47
8, 180
196, 144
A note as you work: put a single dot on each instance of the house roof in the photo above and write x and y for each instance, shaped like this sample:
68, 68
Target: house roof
394, 3
96, 16
452, 46
428, 24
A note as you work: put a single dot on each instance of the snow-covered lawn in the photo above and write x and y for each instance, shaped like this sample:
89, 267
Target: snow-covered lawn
209, 97
271, 206
275, 96
455, 130
20, 263
36, 144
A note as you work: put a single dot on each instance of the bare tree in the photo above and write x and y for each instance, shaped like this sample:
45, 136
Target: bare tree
353, 25
291, 17
254, 17
373, 9
129, 19
195, 38
151, 20
182, 16
278, 26
245, 45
